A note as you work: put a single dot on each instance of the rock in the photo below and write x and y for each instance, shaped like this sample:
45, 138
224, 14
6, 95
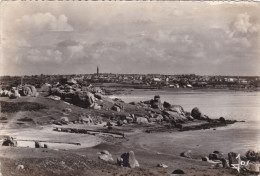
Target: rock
175, 116
178, 171
158, 118
83, 99
162, 165
156, 103
20, 167
128, 160
167, 105
177, 108
195, 113
216, 155
105, 156
232, 158
9, 141
38, 144
252, 155
67, 110
224, 163
116, 108
205, 158
96, 90
95, 106
252, 168
141, 120
86, 119
186, 154
222, 119
64, 120
98, 95
45, 146
129, 119
15, 94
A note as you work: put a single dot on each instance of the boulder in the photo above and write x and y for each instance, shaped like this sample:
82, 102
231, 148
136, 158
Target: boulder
252, 168
195, 113
96, 90
67, 110
116, 108
177, 108
167, 105
222, 119
158, 118
9, 141
98, 95
128, 160
38, 144
95, 106
45, 146
252, 155
232, 158
86, 119
20, 167
175, 116
105, 156
15, 94
156, 103
64, 120
216, 155
224, 163
83, 99
178, 171
141, 120
29, 91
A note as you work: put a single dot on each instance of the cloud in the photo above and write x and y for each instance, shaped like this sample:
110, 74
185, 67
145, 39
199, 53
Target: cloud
44, 22
243, 24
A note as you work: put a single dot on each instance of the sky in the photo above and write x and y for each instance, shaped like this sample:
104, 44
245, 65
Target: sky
205, 38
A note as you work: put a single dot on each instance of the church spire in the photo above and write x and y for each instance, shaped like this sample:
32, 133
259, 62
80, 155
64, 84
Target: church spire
97, 71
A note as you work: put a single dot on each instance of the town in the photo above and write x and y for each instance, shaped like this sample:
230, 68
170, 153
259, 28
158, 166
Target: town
141, 81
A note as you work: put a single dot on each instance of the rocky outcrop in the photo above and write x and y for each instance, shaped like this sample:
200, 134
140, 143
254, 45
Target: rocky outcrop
128, 160
9, 141
252, 155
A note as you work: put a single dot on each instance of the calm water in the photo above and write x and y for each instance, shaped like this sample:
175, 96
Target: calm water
238, 137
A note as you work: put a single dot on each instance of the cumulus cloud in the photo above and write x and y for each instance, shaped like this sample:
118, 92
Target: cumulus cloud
243, 24
44, 22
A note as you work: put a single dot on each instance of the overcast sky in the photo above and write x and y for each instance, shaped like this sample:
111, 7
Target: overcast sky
130, 37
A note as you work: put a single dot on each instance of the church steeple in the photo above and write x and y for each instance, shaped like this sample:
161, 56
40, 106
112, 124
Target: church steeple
97, 71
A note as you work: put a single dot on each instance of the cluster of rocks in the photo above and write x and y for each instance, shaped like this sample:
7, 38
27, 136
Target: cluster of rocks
125, 160
9, 141
248, 163
83, 96
17, 92
166, 112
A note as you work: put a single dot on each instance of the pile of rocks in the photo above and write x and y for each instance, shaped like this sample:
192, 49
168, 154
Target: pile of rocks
76, 94
9, 141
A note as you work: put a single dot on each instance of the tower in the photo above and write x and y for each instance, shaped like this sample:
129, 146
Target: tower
97, 70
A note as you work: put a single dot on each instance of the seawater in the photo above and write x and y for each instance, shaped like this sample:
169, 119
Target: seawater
238, 137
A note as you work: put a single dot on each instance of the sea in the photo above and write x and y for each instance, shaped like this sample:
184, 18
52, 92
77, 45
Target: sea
235, 105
